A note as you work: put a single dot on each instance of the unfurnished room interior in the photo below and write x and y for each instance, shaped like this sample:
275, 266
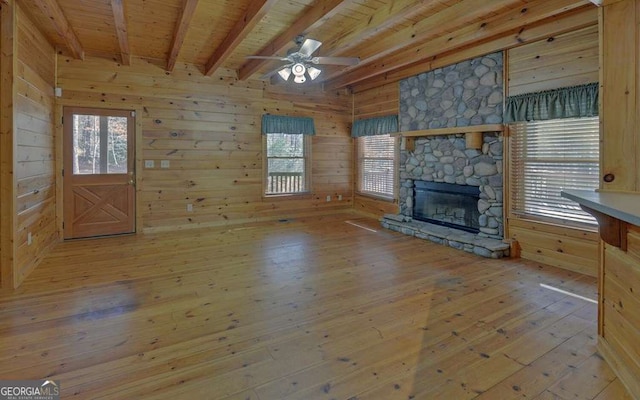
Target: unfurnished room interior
320, 199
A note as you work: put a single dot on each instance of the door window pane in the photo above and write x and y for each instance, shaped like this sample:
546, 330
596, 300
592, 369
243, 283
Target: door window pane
117, 146
99, 145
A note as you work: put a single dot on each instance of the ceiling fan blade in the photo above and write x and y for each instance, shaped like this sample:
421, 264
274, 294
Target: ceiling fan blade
268, 58
309, 46
336, 60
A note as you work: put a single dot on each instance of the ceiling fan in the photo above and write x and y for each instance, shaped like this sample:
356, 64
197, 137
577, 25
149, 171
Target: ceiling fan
301, 62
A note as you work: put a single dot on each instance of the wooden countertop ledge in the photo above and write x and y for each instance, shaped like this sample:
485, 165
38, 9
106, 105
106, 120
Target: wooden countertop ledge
613, 210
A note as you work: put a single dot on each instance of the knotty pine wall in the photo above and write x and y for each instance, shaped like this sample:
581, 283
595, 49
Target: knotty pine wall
620, 96
209, 130
35, 147
7, 202
29, 180
564, 60
376, 102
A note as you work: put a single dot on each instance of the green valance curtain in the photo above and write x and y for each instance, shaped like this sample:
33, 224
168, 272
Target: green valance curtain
569, 102
375, 126
285, 124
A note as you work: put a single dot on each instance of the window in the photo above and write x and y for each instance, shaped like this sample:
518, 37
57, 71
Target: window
550, 156
99, 144
376, 165
287, 165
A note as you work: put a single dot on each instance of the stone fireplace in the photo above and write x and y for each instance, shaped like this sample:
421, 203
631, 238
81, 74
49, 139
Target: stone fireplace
437, 166
446, 204
446, 160
440, 164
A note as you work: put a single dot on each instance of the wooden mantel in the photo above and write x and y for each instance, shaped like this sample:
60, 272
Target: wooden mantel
473, 134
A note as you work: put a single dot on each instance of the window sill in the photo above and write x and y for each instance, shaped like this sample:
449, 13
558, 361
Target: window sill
377, 197
556, 224
287, 196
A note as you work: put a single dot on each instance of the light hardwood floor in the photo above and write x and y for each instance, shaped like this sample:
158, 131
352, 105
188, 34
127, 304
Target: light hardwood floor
312, 308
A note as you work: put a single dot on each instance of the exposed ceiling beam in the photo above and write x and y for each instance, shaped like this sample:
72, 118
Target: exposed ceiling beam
550, 27
51, 10
500, 24
120, 18
321, 9
256, 11
186, 14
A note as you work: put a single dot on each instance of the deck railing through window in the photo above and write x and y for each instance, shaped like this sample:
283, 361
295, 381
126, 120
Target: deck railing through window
285, 182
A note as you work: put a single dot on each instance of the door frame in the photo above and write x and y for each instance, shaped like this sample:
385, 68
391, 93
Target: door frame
61, 103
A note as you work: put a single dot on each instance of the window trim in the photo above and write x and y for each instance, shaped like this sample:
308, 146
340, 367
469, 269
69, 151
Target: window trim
358, 175
307, 169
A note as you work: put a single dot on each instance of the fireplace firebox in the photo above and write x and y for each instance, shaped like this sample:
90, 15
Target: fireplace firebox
455, 206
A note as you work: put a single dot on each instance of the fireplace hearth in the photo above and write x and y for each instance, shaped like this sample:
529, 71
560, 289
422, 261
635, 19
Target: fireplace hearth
451, 205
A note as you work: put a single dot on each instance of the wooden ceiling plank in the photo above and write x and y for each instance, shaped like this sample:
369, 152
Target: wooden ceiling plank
385, 18
256, 11
310, 18
441, 21
473, 33
186, 14
449, 19
550, 27
120, 18
51, 9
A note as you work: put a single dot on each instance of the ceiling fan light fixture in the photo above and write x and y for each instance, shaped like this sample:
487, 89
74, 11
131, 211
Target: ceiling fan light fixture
285, 73
313, 72
298, 69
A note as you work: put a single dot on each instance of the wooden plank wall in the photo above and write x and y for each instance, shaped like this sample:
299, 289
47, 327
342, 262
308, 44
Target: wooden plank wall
371, 103
31, 189
565, 60
620, 310
620, 86
7, 201
209, 130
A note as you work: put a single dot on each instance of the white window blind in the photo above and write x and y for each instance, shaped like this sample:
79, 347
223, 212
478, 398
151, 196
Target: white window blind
550, 156
287, 169
376, 159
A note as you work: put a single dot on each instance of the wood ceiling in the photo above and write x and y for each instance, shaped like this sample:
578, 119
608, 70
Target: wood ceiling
387, 35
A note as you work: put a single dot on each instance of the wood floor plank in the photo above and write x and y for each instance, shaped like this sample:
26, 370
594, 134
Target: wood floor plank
571, 388
615, 391
310, 308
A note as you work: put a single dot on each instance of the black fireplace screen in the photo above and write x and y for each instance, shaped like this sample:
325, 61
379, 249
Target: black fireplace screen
455, 206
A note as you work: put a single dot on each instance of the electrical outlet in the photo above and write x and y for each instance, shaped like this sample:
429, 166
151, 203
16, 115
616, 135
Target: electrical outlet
339, 197
164, 164
149, 164
29, 239
189, 207
328, 198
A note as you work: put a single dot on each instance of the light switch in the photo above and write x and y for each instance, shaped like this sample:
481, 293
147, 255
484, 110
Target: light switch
149, 164
164, 164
